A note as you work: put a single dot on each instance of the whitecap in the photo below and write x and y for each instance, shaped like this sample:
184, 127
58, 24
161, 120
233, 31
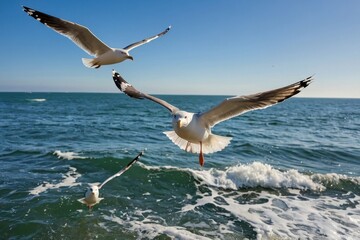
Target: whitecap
68, 155
37, 100
256, 174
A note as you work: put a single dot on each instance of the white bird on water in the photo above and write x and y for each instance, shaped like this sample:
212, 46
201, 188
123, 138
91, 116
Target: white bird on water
86, 40
91, 197
192, 131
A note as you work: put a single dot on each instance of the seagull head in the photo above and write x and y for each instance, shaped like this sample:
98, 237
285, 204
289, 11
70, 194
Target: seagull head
181, 119
92, 192
123, 54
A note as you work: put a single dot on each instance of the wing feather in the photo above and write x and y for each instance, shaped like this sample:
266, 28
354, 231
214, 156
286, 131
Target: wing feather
80, 35
235, 106
129, 90
146, 40
122, 170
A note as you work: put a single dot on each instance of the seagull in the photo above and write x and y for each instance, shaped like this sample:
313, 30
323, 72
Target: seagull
91, 197
192, 131
86, 40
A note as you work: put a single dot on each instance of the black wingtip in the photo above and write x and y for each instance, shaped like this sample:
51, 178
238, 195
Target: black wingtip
306, 82
126, 87
26, 9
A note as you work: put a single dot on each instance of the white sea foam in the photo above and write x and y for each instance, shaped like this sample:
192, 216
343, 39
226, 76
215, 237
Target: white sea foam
68, 155
150, 228
290, 217
37, 100
69, 180
256, 175
259, 174
273, 216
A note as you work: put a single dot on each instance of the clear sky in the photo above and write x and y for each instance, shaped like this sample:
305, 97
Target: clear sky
229, 47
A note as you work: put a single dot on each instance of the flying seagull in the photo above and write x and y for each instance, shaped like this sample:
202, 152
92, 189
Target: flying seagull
92, 193
192, 131
86, 40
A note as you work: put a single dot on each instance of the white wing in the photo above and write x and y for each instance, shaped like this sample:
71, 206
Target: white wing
146, 40
80, 35
235, 106
122, 170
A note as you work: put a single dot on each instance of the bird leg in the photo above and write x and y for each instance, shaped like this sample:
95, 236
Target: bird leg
201, 156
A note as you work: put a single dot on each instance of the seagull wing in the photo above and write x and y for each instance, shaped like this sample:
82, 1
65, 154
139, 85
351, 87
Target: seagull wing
129, 90
80, 35
235, 106
146, 40
122, 170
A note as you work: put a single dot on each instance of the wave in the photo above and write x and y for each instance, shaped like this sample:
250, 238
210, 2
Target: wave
68, 155
271, 214
69, 180
256, 175
263, 175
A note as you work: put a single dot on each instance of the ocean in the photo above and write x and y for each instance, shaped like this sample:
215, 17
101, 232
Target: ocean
292, 171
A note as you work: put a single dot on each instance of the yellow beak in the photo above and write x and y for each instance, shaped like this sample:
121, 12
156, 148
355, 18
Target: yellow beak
179, 123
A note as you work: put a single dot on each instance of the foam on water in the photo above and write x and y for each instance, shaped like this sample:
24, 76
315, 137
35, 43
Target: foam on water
69, 180
289, 217
152, 227
302, 211
68, 155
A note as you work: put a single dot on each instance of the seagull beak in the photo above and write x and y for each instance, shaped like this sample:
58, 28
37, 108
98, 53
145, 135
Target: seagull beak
130, 57
179, 123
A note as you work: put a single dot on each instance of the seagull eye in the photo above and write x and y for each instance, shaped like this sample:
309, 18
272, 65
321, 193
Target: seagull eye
185, 117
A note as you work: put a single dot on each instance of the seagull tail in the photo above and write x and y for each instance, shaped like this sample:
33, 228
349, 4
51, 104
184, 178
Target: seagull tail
214, 143
90, 63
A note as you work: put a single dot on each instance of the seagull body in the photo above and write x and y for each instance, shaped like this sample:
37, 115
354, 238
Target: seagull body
86, 40
91, 197
192, 131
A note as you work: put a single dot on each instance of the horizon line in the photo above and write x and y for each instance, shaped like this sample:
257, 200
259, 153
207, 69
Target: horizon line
169, 94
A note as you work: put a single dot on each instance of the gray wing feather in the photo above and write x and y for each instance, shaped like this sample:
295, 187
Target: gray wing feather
235, 106
131, 91
122, 170
80, 35
146, 40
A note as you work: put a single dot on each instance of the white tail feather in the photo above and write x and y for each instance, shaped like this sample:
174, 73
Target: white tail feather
213, 143
88, 62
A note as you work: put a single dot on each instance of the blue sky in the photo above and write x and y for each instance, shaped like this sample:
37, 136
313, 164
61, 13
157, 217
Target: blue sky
230, 47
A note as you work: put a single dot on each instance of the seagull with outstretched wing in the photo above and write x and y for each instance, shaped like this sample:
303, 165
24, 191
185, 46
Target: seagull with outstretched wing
192, 131
86, 40
91, 197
